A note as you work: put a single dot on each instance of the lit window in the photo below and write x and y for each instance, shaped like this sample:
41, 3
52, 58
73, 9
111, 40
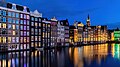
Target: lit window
24, 27
0, 40
36, 24
25, 40
17, 39
9, 39
27, 27
13, 26
32, 23
0, 25
39, 38
35, 38
40, 24
13, 32
32, 38
24, 21
4, 39
21, 32
13, 39
24, 33
27, 33
24, 16
28, 17
4, 25
21, 15
21, 39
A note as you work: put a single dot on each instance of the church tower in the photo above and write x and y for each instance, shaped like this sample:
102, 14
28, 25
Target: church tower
88, 21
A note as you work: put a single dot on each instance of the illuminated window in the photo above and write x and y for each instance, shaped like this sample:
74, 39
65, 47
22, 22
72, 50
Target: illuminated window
21, 39
39, 38
48, 25
0, 25
25, 16
40, 24
36, 24
28, 22
4, 25
24, 27
0, 40
13, 26
28, 17
27, 27
25, 22
32, 23
27, 33
36, 38
25, 40
21, 32
13, 32
4, 39
21, 15
32, 38
9, 39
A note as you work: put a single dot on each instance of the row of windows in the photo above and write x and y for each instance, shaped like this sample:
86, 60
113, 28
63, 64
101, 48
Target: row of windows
35, 24
24, 33
13, 39
13, 14
25, 22
24, 27
35, 19
36, 44
24, 39
35, 38
35, 31
24, 16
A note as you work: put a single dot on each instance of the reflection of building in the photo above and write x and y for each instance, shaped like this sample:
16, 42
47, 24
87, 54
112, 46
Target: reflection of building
35, 29
117, 35
53, 31
14, 27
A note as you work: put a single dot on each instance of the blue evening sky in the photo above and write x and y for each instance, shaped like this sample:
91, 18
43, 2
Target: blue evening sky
102, 12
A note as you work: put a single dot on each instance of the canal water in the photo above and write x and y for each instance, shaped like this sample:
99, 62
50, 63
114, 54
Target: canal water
101, 55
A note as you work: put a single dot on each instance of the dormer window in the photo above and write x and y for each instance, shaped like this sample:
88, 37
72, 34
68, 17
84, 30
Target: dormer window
14, 6
25, 9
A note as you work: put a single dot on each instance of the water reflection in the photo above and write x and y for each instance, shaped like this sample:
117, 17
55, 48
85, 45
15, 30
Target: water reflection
87, 56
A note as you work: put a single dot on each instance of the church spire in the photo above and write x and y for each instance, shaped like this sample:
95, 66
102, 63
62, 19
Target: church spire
88, 20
